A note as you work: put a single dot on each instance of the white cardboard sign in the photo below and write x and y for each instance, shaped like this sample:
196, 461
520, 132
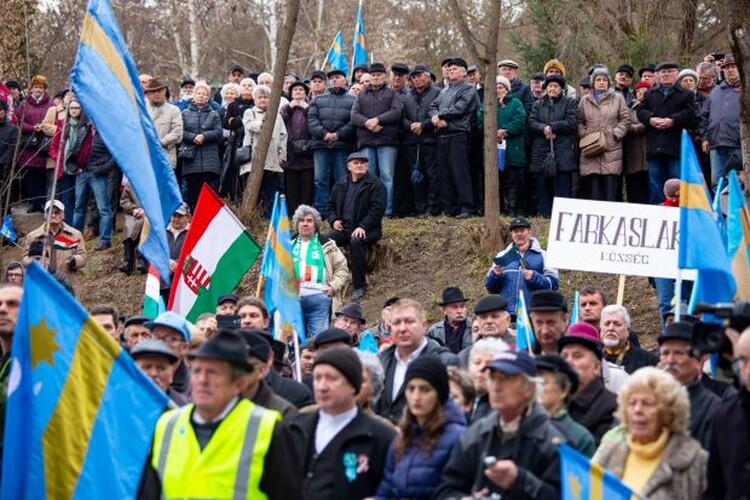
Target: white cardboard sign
615, 238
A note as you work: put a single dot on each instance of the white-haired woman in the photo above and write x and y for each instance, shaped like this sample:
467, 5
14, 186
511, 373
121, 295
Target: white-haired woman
199, 150
273, 174
659, 460
482, 352
320, 268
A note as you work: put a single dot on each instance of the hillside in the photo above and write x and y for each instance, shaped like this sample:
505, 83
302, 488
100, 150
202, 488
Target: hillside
417, 259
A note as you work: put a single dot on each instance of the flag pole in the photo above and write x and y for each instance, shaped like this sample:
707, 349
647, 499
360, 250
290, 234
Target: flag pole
298, 369
53, 188
678, 296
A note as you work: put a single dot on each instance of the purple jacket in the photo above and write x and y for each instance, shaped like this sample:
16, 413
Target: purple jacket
30, 113
299, 155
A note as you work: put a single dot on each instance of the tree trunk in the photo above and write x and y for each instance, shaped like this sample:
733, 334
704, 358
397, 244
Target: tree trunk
194, 40
284, 43
491, 180
738, 23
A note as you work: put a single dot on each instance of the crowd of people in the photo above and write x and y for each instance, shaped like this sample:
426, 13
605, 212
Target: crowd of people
405, 409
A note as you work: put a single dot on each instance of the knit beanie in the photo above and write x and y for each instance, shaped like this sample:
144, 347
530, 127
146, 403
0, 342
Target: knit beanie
346, 361
554, 64
433, 371
501, 80
687, 72
599, 71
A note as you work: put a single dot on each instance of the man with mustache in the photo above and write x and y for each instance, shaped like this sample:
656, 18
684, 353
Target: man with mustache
615, 335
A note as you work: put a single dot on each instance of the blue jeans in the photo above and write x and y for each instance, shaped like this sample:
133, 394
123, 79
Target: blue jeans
665, 294
660, 170
86, 183
316, 311
382, 163
327, 162
719, 157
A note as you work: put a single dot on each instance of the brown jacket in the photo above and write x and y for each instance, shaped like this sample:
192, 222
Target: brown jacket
67, 242
681, 473
636, 145
611, 116
128, 203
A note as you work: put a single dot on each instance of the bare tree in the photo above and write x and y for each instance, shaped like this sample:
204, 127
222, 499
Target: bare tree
284, 43
737, 17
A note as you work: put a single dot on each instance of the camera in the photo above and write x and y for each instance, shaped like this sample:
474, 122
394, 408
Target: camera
709, 337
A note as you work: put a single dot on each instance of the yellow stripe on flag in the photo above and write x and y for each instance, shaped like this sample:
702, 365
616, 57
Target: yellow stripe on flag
740, 264
596, 482
66, 437
693, 195
94, 36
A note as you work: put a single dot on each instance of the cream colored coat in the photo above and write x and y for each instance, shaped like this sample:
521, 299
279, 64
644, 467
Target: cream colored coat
337, 272
252, 121
168, 122
611, 116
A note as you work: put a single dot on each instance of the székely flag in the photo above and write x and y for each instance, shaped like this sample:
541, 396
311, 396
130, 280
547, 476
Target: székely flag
525, 340
583, 480
217, 253
738, 233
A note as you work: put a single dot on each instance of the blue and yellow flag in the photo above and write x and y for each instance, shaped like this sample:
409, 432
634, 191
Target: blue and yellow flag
105, 80
716, 206
337, 55
576, 309
701, 247
583, 480
359, 53
524, 334
7, 231
281, 293
738, 237
80, 414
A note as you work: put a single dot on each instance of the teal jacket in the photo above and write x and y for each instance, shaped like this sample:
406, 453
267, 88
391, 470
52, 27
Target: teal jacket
511, 116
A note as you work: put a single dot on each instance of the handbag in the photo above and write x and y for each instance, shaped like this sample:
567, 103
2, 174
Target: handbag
243, 154
593, 144
549, 165
501, 150
186, 152
301, 146
38, 142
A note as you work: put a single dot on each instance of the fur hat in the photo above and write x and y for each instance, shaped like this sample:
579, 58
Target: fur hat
554, 64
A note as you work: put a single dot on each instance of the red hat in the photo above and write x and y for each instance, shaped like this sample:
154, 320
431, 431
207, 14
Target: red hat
584, 334
642, 85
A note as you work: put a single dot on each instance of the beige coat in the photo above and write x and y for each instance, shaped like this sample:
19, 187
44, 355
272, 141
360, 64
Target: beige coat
637, 161
611, 116
168, 122
128, 203
252, 121
681, 473
337, 272
56, 259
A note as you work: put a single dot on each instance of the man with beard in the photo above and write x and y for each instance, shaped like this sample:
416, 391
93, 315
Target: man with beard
614, 332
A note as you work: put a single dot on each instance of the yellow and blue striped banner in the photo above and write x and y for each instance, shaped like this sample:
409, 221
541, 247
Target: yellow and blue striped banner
738, 237
80, 414
583, 480
105, 81
701, 247
525, 339
359, 52
337, 55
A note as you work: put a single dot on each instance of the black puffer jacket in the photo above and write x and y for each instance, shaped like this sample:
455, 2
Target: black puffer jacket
384, 104
204, 121
562, 115
679, 105
332, 112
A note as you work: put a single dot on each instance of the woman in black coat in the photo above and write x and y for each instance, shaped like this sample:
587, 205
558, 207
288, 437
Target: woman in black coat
199, 150
298, 169
554, 118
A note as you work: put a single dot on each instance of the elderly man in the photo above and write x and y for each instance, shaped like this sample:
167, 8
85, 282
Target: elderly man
330, 122
623, 81
729, 454
350, 319
684, 363
10, 302
706, 79
167, 118
257, 389
451, 114
197, 449
159, 363
592, 405
522, 265
512, 452
330, 339
665, 111
720, 121
227, 304
355, 212
172, 329
548, 312
339, 450
60, 246
482, 352
454, 331
509, 69
615, 333
320, 268
235, 74
135, 330
409, 329
492, 318
377, 116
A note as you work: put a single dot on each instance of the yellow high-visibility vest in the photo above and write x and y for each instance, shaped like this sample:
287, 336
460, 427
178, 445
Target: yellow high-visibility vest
231, 464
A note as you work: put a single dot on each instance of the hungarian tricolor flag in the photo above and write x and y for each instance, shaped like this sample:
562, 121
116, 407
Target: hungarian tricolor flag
217, 253
153, 304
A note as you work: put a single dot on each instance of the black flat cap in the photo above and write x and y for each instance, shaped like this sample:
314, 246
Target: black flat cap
336, 71
318, 74
400, 68
363, 67
357, 155
225, 346
646, 67
227, 297
446, 61
419, 68
458, 61
471, 69
236, 67
187, 81
626, 68
377, 68
490, 303
548, 300
667, 65
390, 301
585, 82
539, 76
258, 345
331, 336
557, 364
136, 319
352, 310
519, 222
153, 347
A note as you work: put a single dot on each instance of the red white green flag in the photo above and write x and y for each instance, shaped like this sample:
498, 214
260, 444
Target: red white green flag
153, 304
218, 251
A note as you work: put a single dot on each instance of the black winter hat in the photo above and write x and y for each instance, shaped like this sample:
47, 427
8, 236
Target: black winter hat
548, 300
433, 371
451, 295
554, 78
377, 68
557, 364
225, 346
330, 336
346, 361
258, 345
490, 303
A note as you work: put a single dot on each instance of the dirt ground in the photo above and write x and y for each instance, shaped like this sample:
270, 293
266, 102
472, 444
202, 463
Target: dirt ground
417, 259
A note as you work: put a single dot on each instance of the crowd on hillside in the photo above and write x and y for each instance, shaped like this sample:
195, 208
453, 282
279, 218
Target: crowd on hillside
475, 405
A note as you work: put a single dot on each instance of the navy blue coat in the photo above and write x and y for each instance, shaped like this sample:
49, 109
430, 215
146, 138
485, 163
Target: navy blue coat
418, 473
332, 112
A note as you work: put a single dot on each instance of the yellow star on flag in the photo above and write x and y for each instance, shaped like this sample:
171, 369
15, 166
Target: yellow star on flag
575, 486
43, 345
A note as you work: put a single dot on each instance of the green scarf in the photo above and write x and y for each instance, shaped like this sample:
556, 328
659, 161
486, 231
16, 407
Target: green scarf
314, 271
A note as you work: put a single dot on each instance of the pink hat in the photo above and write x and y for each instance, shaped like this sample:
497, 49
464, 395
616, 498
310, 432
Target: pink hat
584, 334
